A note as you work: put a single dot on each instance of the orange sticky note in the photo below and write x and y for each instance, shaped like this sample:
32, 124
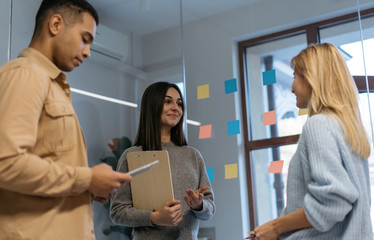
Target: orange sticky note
203, 91
205, 131
269, 118
231, 171
303, 111
276, 166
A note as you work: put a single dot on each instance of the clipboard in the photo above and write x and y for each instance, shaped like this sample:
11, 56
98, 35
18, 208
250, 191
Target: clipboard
152, 189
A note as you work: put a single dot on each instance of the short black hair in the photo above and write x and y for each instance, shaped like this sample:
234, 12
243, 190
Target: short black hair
70, 10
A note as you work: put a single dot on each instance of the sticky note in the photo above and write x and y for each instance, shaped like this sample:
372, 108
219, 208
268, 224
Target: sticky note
269, 77
231, 171
231, 86
276, 166
205, 131
233, 127
269, 118
303, 111
210, 172
203, 91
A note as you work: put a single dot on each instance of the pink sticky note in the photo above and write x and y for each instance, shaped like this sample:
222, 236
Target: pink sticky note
205, 131
276, 166
269, 118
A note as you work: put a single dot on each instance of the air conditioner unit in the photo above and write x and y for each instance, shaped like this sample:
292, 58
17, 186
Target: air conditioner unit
110, 46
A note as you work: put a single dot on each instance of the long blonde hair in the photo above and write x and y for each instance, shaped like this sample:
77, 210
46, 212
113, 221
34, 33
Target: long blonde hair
333, 91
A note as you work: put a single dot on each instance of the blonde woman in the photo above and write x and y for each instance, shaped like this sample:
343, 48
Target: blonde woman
328, 189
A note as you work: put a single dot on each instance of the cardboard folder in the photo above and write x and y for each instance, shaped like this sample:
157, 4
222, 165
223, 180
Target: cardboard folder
151, 189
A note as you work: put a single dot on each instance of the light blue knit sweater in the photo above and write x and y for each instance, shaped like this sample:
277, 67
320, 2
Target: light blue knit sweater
331, 182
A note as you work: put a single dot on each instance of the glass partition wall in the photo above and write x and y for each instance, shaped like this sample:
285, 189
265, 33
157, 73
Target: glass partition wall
219, 52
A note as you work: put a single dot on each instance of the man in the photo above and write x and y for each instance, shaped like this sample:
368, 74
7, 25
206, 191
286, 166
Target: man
46, 187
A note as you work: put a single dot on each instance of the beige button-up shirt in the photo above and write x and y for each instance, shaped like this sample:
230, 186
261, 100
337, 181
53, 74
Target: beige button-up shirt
43, 162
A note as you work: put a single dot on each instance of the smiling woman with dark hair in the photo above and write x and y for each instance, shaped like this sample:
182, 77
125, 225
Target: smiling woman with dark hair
161, 128
150, 124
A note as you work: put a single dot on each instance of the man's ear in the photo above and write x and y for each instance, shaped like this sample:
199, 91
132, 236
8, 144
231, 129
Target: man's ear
55, 24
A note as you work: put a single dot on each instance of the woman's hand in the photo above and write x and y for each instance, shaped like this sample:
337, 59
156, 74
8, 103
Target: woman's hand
267, 231
168, 215
195, 199
292, 221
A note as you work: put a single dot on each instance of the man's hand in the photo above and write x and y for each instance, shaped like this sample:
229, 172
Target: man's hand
105, 181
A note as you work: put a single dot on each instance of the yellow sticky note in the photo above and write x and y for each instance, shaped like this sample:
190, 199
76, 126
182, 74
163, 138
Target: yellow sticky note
276, 166
231, 171
203, 91
269, 118
303, 111
205, 131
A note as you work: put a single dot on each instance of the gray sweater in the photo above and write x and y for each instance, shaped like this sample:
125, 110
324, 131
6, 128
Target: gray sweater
331, 182
188, 171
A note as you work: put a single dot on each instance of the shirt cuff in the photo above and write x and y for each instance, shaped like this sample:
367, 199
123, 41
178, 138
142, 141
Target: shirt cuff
83, 179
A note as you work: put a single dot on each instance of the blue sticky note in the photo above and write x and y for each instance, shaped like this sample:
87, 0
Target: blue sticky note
233, 127
231, 86
210, 172
269, 77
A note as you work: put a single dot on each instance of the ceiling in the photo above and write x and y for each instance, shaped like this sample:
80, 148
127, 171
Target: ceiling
147, 16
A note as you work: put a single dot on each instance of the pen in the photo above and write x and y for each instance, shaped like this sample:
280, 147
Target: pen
253, 235
142, 169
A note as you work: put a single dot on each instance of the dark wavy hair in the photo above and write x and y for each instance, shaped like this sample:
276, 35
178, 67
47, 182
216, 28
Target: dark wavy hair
70, 10
149, 130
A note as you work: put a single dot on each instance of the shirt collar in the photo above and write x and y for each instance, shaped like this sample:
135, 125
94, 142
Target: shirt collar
53, 71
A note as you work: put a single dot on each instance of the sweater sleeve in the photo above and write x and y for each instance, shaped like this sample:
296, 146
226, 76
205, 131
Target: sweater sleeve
121, 207
331, 193
209, 207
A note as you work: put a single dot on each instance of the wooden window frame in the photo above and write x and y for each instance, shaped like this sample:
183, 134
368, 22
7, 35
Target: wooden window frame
312, 35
